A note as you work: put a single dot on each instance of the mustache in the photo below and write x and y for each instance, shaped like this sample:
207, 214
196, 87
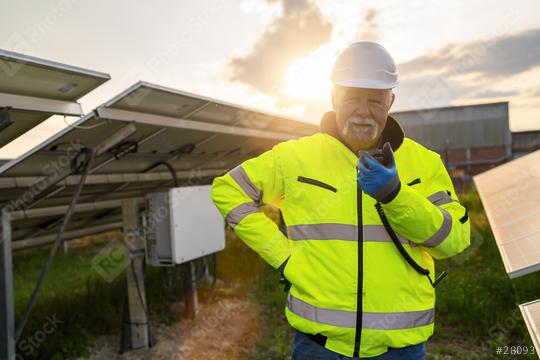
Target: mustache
359, 120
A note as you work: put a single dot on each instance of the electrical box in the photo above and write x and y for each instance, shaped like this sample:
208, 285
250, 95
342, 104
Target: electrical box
182, 224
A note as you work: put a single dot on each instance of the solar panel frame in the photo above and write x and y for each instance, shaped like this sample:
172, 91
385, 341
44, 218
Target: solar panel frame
531, 314
34, 89
131, 99
22, 60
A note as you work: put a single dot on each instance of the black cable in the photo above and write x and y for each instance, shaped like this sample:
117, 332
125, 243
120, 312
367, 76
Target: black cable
76, 165
402, 250
169, 167
90, 155
167, 282
214, 257
127, 147
396, 241
202, 270
214, 280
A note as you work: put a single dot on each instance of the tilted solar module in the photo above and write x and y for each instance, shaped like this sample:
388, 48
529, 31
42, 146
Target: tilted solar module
33, 89
510, 194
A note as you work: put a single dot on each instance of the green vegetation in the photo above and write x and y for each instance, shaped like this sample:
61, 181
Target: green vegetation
275, 340
79, 301
72, 293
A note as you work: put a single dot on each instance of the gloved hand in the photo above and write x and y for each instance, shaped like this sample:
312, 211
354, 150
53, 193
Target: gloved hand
380, 182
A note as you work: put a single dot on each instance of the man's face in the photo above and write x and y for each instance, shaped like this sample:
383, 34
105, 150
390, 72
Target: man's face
361, 115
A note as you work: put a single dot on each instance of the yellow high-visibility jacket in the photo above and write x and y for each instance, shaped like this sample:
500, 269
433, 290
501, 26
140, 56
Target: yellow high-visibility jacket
350, 285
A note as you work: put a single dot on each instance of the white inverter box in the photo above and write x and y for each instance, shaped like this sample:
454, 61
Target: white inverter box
182, 224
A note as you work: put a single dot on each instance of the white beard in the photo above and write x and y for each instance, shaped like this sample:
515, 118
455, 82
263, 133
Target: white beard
368, 134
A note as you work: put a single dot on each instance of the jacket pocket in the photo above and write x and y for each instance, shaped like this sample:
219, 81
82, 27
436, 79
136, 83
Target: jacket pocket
316, 183
287, 274
414, 182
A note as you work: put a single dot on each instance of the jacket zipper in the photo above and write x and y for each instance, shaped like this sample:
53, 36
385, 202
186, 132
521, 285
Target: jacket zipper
359, 293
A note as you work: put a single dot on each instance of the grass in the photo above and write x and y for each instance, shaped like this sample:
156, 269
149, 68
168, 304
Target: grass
86, 305
275, 341
70, 293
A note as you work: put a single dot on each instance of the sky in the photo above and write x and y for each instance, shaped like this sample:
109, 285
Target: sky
277, 55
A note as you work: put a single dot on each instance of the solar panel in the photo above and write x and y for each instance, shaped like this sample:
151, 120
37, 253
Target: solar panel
510, 194
154, 99
33, 89
135, 135
531, 315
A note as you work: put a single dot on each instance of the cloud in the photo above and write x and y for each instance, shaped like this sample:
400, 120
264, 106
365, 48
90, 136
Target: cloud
299, 30
368, 29
534, 92
492, 93
500, 56
461, 72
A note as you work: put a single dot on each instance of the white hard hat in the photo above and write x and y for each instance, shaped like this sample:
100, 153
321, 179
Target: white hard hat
365, 64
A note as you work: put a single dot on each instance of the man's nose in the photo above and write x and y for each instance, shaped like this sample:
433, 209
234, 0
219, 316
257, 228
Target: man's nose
362, 109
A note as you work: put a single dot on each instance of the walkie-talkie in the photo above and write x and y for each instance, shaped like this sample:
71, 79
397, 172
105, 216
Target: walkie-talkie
381, 155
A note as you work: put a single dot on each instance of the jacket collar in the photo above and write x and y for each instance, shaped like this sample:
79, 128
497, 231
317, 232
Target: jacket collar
392, 133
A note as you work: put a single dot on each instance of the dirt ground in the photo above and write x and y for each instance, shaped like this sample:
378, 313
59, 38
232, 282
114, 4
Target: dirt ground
226, 327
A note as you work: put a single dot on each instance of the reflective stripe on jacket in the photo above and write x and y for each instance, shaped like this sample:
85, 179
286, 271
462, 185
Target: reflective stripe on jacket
349, 282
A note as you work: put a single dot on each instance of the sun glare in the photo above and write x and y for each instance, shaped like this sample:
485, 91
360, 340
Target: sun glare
309, 77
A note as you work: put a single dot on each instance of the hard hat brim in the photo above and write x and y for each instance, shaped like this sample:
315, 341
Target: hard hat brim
366, 84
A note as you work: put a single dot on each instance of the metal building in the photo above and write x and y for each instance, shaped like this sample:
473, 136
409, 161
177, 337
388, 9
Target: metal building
524, 142
470, 139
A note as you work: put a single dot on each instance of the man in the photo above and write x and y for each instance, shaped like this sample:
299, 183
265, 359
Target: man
352, 293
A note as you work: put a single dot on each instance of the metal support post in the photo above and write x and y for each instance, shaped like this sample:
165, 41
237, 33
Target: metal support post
136, 330
7, 316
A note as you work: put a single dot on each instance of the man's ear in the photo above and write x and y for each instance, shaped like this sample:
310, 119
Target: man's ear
392, 98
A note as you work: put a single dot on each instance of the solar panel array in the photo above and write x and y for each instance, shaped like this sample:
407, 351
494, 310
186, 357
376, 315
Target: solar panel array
510, 194
140, 136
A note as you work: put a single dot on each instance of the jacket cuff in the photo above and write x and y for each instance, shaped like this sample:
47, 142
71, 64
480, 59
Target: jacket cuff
392, 194
388, 191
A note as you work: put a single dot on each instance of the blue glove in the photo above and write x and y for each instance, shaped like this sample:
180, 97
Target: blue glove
380, 182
